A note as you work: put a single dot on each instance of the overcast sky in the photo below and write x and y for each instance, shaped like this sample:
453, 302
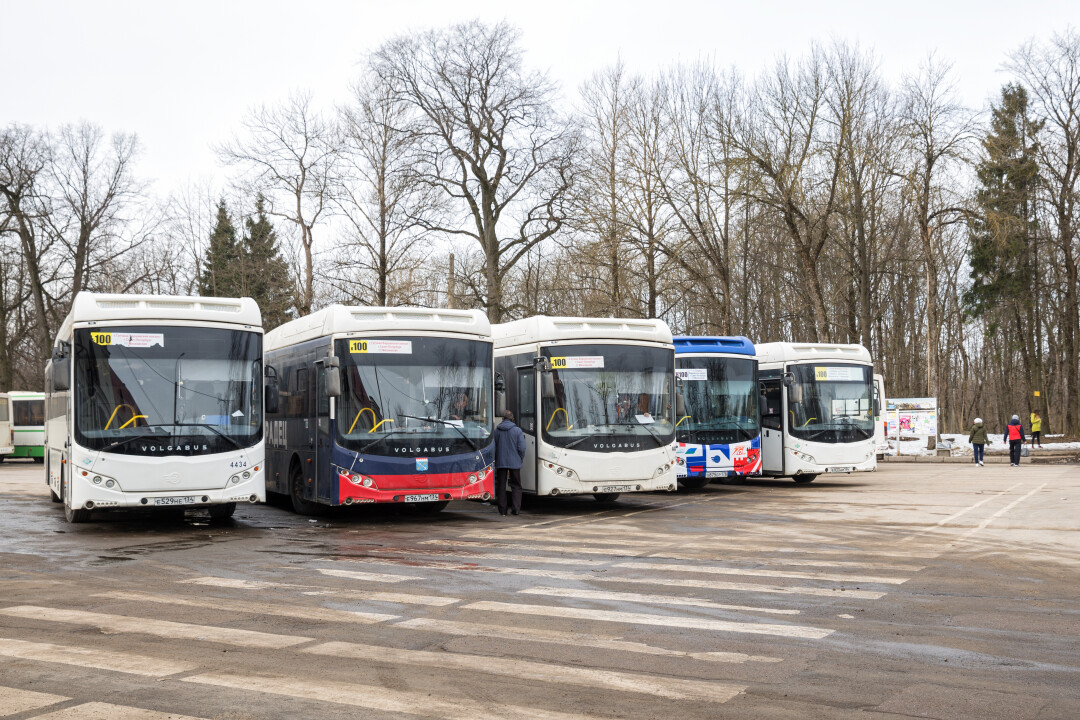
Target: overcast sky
183, 74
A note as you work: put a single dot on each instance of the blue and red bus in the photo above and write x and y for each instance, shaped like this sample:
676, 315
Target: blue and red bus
719, 432
380, 405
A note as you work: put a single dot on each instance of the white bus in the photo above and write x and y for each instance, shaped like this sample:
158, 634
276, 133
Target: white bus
596, 400
28, 424
155, 401
7, 437
818, 411
881, 422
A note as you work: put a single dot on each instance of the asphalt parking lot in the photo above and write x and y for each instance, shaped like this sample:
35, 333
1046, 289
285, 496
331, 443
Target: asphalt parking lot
929, 591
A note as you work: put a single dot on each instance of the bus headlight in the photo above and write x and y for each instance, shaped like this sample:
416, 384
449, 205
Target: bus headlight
110, 483
97, 479
234, 479
471, 479
247, 474
368, 482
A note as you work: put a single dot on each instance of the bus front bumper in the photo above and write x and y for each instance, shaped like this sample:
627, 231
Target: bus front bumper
84, 494
478, 485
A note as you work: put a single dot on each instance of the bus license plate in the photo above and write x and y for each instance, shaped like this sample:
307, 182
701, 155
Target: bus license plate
840, 469
616, 488
716, 474
421, 498
174, 501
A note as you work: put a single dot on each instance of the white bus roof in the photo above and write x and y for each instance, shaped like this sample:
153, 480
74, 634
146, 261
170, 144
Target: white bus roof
343, 319
808, 352
24, 394
541, 329
106, 308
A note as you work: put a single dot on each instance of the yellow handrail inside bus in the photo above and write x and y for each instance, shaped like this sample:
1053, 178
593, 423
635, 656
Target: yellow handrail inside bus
133, 419
380, 423
116, 410
684, 417
805, 423
357, 418
552, 419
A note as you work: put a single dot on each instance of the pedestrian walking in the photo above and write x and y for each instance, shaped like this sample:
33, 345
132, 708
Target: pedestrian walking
1036, 430
1014, 435
977, 438
509, 456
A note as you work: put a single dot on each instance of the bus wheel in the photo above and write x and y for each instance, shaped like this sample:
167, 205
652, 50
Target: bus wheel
606, 497
300, 505
430, 508
222, 512
694, 483
39, 460
804, 478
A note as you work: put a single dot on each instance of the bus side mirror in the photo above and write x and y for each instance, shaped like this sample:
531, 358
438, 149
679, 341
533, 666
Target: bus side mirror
795, 394
500, 395
789, 379
877, 407
680, 405
271, 394
332, 376
763, 405
547, 385
61, 369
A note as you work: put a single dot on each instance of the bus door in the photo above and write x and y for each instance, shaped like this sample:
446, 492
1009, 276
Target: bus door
526, 420
327, 386
772, 426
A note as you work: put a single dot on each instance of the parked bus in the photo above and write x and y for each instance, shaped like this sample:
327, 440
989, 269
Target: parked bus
28, 424
391, 405
7, 435
881, 422
818, 412
155, 401
595, 398
719, 433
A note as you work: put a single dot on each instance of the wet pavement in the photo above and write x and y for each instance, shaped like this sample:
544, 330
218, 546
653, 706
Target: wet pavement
930, 591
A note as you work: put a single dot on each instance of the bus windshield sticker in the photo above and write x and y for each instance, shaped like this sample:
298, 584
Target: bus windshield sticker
842, 374
692, 374
130, 340
382, 347
580, 362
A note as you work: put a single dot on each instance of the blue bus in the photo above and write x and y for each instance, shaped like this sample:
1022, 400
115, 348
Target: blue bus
719, 431
380, 405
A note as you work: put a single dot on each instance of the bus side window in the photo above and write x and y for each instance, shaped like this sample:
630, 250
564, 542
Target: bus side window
300, 393
527, 401
772, 414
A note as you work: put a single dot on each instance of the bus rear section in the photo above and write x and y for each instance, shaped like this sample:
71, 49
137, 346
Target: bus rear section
382, 405
718, 432
595, 399
28, 425
7, 437
156, 402
818, 411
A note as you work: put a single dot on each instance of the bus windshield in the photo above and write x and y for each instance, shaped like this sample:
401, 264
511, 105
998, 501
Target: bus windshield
721, 399
166, 390
609, 397
831, 403
408, 396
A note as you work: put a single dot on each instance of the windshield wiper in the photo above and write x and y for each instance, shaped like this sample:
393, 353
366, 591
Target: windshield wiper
125, 441
212, 429
445, 422
378, 440
659, 442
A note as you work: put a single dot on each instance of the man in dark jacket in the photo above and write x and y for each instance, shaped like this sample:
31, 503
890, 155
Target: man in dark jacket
1014, 435
509, 456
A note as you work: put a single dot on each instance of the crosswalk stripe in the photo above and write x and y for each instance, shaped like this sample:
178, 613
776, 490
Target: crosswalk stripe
14, 701
999, 513
378, 595
751, 572
106, 711
161, 628
380, 699
280, 610
369, 577
92, 658
665, 581
695, 623
559, 637
656, 685
643, 598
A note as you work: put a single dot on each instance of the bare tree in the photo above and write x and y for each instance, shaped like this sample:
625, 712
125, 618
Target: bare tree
288, 154
488, 137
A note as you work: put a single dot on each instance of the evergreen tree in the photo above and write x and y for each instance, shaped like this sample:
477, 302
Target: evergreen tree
265, 273
1003, 231
221, 273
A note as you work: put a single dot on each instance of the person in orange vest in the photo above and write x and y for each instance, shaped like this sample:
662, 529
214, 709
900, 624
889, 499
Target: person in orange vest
1036, 430
1014, 435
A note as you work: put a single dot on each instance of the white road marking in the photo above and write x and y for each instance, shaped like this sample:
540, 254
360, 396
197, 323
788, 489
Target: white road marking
122, 662
380, 699
695, 623
665, 581
368, 577
559, 637
105, 711
998, 514
956, 515
161, 628
647, 599
280, 610
13, 700
651, 684
378, 595
794, 574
